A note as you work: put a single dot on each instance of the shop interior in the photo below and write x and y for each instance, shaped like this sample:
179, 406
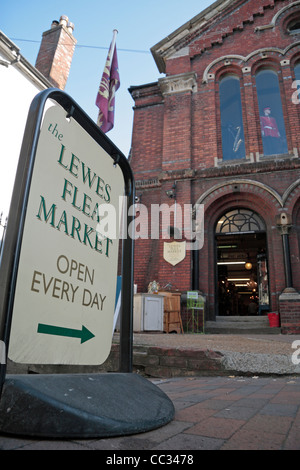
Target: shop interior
242, 274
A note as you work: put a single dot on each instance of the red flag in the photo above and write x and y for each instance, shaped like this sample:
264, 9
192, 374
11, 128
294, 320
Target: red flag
109, 84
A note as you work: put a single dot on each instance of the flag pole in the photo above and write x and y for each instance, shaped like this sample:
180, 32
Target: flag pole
113, 42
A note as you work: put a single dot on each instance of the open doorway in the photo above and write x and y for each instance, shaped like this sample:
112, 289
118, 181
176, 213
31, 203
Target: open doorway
242, 274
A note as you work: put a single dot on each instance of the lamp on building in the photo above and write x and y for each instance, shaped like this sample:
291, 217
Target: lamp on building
138, 198
248, 264
171, 193
252, 284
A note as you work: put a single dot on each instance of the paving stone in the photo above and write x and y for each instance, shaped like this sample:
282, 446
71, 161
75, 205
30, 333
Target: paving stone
220, 428
238, 412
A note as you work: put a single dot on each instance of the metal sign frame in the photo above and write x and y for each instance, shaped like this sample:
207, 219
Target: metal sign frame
13, 237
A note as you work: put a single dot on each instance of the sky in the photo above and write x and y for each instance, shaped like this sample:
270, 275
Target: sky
140, 23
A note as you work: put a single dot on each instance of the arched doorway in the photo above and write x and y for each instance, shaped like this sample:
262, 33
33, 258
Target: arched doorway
242, 268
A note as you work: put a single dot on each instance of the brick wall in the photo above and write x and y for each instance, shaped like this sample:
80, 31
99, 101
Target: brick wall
163, 362
56, 52
290, 312
177, 137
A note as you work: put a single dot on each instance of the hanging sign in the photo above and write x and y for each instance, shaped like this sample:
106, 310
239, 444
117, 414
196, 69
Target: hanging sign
174, 252
192, 295
65, 290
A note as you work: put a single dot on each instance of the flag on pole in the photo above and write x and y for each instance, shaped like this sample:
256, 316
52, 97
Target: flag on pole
109, 84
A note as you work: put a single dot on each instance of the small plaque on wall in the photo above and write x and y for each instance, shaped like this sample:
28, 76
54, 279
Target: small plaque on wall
174, 252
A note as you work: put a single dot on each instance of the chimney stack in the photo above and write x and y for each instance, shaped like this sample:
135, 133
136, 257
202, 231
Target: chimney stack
56, 52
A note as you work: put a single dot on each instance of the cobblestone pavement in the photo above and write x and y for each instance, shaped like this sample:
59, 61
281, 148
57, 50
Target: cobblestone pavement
242, 343
241, 353
212, 413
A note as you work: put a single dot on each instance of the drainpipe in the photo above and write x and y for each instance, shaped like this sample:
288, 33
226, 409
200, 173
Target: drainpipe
195, 269
197, 227
284, 225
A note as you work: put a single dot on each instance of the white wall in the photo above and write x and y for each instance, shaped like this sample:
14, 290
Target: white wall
16, 93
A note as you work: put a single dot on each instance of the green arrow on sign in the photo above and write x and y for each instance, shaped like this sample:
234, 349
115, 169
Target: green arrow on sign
84, 334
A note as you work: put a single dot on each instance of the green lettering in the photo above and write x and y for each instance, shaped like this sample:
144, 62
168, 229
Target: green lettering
61, 157
76, 226
46, 215
87, 175
73, 165
85, 205
108, 241
74, 199
99, 187
98, 244
86, 234
107, 189
95, 212
63, 220
65, 190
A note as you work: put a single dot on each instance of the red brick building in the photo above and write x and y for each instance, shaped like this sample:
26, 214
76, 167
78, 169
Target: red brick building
222, 130
56, 52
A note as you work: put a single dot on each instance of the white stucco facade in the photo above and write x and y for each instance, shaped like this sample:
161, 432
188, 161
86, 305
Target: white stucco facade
19, 83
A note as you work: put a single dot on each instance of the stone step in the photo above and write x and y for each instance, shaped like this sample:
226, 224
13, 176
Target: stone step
241, 325
259, 319
241, 331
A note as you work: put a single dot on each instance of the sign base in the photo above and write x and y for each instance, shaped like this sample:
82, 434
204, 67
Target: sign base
67, 406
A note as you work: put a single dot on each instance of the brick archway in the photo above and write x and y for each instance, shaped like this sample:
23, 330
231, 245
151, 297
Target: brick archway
239, 194
242, 286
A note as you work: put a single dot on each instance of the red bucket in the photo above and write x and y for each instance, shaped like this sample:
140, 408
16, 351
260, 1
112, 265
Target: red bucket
273, 319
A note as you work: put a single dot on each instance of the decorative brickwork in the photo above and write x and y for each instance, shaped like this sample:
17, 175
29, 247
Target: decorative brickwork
56, 52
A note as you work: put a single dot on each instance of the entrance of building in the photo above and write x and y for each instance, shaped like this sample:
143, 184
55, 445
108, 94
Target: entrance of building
242, 274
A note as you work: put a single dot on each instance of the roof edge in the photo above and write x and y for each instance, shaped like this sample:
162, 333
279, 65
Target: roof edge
138, 87
12, 51
160, 49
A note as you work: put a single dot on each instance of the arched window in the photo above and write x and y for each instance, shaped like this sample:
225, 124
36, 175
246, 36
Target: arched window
296, 84
293, 26
233, 140
297, 71
270, 111
240, 221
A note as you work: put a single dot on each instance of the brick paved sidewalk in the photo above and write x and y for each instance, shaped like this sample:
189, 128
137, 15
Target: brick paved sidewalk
212, 413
